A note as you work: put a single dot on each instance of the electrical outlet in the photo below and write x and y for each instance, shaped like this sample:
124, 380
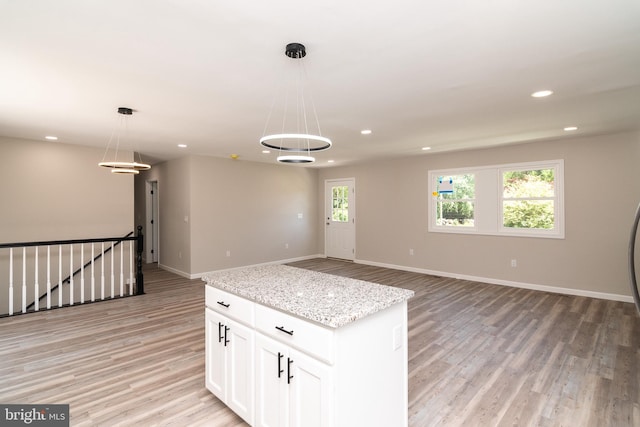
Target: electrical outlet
286, 246
228, 252
514, 263
411, 252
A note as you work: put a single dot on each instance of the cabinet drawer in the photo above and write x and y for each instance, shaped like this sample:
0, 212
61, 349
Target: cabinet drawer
230, 305
313, 339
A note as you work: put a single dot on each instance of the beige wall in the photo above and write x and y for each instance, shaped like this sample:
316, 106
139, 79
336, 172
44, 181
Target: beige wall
602, 190
209, 206
55, 191
174, 198
251, 209
52, 191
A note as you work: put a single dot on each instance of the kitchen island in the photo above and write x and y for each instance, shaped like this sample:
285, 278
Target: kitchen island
292, 347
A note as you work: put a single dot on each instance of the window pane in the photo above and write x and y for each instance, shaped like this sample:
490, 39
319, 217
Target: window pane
537, 214
463, 186
530, 183
455, 214
456, 198
340, 204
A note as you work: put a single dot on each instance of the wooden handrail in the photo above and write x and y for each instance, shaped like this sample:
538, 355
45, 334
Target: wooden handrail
69, 242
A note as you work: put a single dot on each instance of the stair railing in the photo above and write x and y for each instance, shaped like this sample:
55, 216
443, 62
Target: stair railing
110, 260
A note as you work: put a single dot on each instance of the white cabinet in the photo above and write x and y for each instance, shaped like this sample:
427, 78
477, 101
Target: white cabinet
292, 389
275, 369
229, 363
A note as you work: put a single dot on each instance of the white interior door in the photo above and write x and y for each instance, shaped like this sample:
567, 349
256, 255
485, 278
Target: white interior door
340, 224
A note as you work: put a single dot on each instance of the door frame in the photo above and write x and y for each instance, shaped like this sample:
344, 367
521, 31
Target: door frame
352, 211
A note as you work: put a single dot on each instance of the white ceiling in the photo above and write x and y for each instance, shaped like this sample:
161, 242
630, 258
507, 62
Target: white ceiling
451, 74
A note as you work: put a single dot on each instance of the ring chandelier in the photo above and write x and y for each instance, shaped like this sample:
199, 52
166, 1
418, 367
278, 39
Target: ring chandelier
302, 143
122, 167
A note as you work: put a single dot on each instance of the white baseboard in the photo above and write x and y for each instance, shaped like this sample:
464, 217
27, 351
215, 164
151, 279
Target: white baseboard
175, 271
523, 285
532, 286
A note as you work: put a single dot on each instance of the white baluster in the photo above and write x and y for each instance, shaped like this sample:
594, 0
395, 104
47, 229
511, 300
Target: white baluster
36, 286
60, 276
93, 277
48, 277
102, 273
81, 273
24, 279
71, 274
10, 281
130, 267
113, 277
121, 269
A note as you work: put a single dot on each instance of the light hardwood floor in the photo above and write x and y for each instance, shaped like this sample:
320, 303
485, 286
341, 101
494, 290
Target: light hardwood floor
479, 355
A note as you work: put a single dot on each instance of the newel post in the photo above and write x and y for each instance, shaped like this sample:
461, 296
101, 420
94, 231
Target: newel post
139, 249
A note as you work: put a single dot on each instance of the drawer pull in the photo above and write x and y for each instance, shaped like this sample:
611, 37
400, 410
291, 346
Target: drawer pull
289, 376
282, 329
222, 303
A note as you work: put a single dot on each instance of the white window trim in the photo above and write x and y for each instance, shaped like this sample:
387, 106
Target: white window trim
488, 200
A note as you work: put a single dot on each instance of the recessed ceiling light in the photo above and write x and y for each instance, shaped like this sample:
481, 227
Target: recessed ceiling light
426, 148
366, 131
570, 128
330, 161
182, 145
51, 138
541, 93
266, 151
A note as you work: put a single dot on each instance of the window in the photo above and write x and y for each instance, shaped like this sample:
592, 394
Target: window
340, 203
528, 199
456, 200
523, 199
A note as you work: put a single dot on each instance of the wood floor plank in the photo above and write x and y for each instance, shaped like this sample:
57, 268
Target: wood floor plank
479, 355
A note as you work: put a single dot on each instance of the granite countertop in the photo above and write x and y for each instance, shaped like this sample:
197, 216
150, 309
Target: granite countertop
330, 300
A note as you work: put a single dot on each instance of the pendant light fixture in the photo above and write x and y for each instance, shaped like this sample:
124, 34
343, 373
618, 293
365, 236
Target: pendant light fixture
296, 147
120, 166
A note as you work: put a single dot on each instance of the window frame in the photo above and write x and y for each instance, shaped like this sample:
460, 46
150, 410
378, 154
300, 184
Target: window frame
489, 200
473, 201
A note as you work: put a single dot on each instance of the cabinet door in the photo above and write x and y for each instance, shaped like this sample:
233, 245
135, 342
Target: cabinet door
240, 370
271, 383
310, 402
215, 354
